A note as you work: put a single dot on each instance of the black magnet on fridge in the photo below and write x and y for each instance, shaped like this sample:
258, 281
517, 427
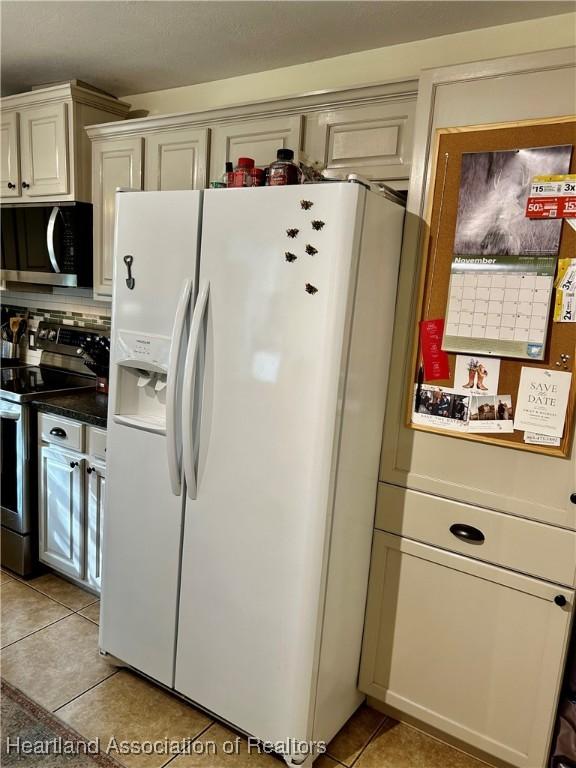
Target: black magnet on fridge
317, 224
306, 204
130, 282
311, 251
290, 257
311, 289
292, 232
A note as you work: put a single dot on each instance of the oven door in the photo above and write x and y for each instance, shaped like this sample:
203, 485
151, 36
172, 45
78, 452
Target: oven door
15, 467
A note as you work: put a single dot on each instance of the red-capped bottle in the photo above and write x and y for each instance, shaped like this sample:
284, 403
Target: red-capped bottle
242, 176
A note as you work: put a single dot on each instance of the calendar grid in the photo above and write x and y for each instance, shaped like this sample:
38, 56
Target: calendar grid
499, 310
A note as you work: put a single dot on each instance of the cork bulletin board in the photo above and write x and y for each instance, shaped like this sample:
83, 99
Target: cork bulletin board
451, 143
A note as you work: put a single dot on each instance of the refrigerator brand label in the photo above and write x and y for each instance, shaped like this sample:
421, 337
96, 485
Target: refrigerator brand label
147, 351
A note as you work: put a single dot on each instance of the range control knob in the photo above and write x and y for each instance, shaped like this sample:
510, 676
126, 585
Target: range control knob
573, 498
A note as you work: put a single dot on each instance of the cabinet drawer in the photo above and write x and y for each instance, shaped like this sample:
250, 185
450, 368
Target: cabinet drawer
513, 542
61, 431
96, 442
472, 649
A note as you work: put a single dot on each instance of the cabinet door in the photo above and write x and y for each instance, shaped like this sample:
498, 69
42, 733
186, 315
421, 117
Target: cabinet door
115, 163
374, 141
258, 139
94, 517
10, 161
60, 506
44, 150
471, 649
176, 159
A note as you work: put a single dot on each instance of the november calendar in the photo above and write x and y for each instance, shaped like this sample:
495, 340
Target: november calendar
499, 305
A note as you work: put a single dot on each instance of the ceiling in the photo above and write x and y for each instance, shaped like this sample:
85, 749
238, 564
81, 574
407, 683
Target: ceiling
132, 46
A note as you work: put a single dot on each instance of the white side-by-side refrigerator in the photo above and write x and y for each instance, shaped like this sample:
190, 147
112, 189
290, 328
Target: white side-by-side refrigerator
251, 340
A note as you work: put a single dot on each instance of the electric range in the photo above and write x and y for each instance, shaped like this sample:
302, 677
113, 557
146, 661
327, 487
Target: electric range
60, 370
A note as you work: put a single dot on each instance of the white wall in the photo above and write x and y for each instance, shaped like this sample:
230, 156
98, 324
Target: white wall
397, 62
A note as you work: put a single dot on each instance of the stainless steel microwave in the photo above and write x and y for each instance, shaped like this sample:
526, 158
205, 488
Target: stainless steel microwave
49, 245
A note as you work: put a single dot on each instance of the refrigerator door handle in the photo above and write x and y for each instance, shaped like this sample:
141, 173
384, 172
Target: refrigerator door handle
188, 390
172, 442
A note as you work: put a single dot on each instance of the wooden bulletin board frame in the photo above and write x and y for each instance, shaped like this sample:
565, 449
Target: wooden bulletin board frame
436, 260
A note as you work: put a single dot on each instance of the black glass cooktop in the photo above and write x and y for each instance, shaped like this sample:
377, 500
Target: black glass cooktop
27, 382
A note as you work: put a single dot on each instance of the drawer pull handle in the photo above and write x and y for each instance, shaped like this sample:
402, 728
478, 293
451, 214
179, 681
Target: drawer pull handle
560, 600
58, 432
467, 533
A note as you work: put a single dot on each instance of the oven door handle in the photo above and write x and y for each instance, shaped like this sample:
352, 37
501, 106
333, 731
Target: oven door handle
50, 238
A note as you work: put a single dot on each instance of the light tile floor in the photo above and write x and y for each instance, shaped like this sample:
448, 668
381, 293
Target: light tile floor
49, 651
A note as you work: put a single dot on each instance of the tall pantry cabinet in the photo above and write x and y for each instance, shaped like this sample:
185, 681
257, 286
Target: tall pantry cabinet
470, 638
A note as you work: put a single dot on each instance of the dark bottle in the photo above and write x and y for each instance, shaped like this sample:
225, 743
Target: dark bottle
284, 170
228, 175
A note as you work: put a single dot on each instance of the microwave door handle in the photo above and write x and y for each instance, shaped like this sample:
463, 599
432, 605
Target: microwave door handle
50, 238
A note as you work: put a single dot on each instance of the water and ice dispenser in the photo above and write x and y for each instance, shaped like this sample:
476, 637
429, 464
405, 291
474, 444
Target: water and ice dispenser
141, 371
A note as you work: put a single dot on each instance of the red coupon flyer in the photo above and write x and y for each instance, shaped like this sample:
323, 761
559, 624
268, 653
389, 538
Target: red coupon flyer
435, 360
552, 197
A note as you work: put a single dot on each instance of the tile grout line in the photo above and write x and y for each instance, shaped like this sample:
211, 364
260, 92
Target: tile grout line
58, 601
370, 740
39, 591
51, 624
198, 735
91, 688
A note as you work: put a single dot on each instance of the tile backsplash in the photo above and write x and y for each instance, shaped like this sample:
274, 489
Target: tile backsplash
75, 309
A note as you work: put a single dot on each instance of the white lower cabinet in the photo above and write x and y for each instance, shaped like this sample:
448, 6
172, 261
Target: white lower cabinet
472, 649
60, 507
95, 515
71, 498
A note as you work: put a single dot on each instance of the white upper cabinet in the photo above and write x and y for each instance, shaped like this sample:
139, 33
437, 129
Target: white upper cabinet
45, 149
374, 141
176, 159
259, 139
115, 164
363, 130
10, 161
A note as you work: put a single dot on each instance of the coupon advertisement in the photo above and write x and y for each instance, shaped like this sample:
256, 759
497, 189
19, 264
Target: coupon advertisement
552, 197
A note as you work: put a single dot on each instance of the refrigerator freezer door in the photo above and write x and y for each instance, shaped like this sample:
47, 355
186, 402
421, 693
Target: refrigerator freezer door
143, 525
282, 282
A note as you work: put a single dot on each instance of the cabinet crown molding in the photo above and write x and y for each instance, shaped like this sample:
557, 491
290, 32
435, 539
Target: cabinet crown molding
63, 92
309, 102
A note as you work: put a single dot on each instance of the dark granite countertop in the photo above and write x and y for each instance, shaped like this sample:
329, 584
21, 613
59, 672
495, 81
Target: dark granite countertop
85, 405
